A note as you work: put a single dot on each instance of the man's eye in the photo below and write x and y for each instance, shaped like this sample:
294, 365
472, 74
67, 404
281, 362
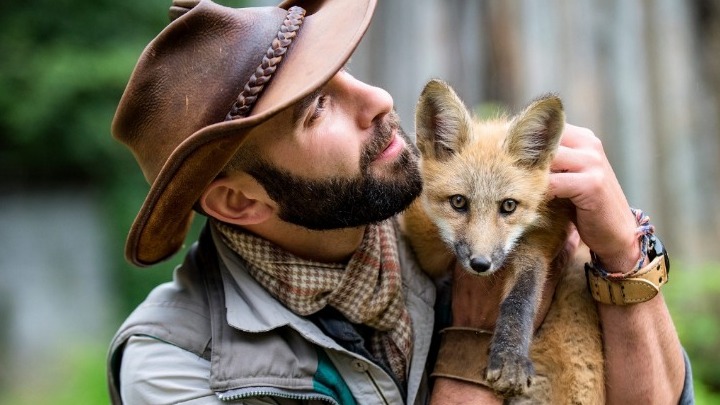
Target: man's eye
319, 107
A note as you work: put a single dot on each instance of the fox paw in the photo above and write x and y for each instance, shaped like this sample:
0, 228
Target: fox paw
509, 374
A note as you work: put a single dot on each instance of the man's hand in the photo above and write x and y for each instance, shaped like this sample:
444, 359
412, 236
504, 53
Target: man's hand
643, 357
582, 174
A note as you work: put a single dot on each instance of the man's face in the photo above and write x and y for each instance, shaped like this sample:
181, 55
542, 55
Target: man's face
348, 162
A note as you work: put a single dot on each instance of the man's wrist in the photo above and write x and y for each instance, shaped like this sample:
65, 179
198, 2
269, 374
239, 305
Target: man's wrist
638, 283
619, 251
623, 258
448, 391
623, 262
640, 247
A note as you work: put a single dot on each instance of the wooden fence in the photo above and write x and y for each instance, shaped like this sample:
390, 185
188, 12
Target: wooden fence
643, 75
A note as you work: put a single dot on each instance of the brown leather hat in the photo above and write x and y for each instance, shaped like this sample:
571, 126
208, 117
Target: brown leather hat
210, 80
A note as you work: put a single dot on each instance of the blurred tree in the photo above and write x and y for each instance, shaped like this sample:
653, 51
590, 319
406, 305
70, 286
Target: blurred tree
64, 67
63, 70
706, 13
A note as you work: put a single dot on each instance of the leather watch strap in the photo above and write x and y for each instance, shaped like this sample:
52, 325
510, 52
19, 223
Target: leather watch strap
642, 286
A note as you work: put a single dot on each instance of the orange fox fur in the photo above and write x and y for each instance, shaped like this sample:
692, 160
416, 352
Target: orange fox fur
485, 205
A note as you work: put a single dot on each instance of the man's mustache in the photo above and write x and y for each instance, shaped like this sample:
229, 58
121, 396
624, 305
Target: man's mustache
382, 135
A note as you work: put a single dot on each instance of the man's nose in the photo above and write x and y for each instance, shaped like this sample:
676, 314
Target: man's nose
371, 102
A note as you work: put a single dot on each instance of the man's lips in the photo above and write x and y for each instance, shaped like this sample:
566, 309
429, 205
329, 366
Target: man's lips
393, 148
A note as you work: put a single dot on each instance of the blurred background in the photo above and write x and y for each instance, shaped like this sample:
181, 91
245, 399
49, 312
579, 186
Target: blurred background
643, 75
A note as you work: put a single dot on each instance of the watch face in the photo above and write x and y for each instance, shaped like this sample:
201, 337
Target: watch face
655, 249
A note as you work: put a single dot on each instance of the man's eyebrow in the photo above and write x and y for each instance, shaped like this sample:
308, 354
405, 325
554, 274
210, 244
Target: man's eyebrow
304, 103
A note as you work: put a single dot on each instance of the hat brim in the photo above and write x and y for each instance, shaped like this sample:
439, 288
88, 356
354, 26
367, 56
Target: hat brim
330, 33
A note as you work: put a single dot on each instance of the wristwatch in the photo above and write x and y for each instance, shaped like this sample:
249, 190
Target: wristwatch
637, 286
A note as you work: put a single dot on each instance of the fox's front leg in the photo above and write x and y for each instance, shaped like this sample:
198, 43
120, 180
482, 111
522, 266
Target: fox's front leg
510, 371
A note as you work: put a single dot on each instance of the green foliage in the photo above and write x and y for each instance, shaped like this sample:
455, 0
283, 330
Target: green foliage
703, 395
76, 376
693, 296
63, 70
64, 67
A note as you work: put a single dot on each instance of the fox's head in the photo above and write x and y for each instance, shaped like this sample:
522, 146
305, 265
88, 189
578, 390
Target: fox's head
485, 182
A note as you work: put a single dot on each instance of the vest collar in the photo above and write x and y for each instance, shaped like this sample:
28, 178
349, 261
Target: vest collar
251, 308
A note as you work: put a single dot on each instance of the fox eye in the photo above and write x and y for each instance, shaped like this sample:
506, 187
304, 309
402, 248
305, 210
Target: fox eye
458, 202
508, 206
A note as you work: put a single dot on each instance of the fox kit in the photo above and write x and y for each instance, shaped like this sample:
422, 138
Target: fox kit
485, 204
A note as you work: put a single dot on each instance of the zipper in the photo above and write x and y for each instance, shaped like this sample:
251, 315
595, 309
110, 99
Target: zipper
234, 395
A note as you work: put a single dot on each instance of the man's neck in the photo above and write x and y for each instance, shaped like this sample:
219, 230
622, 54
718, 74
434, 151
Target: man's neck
331, 246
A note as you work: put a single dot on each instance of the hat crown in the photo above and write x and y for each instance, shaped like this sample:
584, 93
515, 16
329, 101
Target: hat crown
180, 7
189, 76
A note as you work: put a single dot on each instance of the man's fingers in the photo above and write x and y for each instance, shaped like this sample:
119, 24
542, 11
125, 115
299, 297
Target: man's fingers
568, 160
567, 185
578, 137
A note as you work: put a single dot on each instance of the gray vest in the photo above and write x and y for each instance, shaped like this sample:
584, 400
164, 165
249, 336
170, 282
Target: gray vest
215, 309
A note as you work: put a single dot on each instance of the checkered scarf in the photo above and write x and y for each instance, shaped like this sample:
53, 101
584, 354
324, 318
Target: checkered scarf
368, 290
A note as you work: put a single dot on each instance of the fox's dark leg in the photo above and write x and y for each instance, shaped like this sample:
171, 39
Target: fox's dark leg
510, 370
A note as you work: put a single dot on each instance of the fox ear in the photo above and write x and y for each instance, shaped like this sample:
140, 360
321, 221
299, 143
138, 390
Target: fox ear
442, 122
535, 133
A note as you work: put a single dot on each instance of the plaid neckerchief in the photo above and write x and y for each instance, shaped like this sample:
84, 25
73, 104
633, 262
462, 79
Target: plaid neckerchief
367, 290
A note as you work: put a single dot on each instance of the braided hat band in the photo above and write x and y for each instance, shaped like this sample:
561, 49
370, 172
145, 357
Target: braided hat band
272, 58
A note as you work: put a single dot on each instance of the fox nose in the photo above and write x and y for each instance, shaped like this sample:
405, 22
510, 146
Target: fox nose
480, 264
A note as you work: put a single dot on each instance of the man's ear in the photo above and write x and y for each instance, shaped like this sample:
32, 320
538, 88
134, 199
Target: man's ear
226, 200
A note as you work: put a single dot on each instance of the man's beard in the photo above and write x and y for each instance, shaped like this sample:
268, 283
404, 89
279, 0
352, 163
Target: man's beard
338, 202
